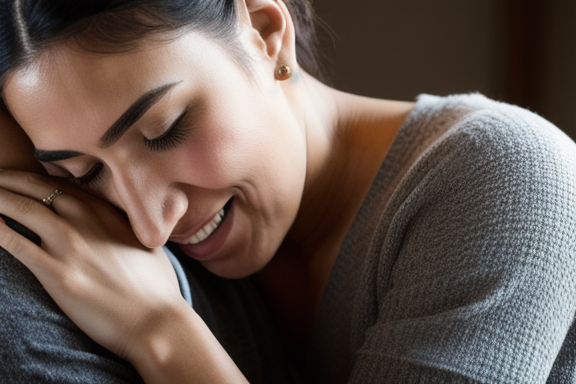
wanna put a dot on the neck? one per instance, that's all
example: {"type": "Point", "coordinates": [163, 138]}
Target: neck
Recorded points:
{"type": "Point", "coordinates": [347, 138]}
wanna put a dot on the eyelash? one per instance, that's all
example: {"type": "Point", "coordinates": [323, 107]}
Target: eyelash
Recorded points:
{"type": "Point", "coordinates": [93, 176]}
{"type": "Point", "coordinates": [170, 139]}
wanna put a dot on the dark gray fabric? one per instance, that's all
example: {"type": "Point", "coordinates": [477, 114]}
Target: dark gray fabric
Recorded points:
{"type": "Point", "coordinates": [461, 264]}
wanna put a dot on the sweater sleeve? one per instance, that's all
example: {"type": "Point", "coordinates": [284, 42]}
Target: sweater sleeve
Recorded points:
{"type": "Point", "coordinates": [483, 283]}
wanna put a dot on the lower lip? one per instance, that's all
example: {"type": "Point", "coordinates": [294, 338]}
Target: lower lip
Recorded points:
{"type": "Point", "coordinates": [205, 249]}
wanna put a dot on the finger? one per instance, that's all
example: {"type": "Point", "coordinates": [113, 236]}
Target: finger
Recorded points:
{"type": "Point", "coordinates": [57, 194]}
{"type": "Point", "coordinates": [78, 208]}
{"type": "Point", "coordinates": [68, 204]}
{"type": "Point", "coordinates": [30, 184]}
{"type": "Point", "coordinates": [30, 213]}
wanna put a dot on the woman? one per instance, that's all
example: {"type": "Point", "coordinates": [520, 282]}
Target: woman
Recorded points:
{"type": "Point", "coordinates": [39, 343]}
{"type": "Point", "coordinates": [391, 241]}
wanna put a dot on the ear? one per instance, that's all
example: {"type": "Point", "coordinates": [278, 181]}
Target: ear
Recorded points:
{"type": "Point", "coordinates": [273, 29]}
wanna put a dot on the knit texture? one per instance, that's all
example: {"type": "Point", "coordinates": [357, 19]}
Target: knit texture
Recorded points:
{"type": "Point", "coordinates": [460, 266]}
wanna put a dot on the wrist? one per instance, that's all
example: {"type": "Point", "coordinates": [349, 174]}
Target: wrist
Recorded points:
{"type": "Point", "coordinates": [177, 346]}
{"type": "Point", "coordinates": [152, 337]}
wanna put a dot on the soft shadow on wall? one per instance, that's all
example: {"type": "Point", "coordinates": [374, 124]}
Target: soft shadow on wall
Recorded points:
{"type": "Point", "coordinates": [519, 51]}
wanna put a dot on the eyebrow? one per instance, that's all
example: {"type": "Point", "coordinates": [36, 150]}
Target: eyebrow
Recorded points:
{"type": "Point", "coordinates": [133, 114]}
{"type": "Point", "coordinates": [116, 130]}
{"type": "Point", "coordinates": [48, 156]}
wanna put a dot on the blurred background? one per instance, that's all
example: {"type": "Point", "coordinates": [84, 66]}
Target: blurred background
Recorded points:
{"type": "Point", "coordinates": [519, 51]}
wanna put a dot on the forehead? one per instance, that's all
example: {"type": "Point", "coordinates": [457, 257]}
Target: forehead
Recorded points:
{"type": "Point", "coordinates": [66, 86]}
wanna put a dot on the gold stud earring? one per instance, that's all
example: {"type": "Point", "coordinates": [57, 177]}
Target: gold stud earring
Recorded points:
{"type": "Point", "coordinates": [283, 72]}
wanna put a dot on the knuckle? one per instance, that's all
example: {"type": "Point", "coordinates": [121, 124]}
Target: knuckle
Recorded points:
{"type": "Point", "coordinates": [61, 228]}
{"type": "Point", "coordinates": [11, 243]}
{"type": "Point", "coordinates": [24, 205]}
{"type": "Point", "coordinates": [68, 280]}
{"type": "Point", "coordinates": [71, 239]}
{"type": "Point", "coordinates": [73, 280]}
{"type": "Point", "coordinates": [76, 205]}
{"type": "Point", "coordinates": [35, 180]}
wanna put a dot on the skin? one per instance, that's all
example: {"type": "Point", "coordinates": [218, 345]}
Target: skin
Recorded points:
{"type": "Point", "coordinates": [297, 158]}
{"type": "Point", "coordinates": [16, 150]}
{"type": "Point", "coordinates": [227, 152]}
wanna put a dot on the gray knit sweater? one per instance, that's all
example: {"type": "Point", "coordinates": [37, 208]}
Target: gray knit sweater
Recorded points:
{"type": "Point", "coordinates": [461, 264]}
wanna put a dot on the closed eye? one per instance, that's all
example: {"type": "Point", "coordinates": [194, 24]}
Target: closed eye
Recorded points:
{"type": "Point", "coordinates": [91, 178]}
{"type": "Point", "coordinates": [170, 139]}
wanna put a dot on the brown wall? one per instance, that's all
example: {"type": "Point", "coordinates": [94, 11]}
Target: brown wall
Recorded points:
{"type": "Point", "coordinates": [519, 51]}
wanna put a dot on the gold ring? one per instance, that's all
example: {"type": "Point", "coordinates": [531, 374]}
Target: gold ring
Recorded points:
{"type": "Point", "coordinates": [50, 199]}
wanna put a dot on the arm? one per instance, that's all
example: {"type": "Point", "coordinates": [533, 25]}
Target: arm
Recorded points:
{"type": "Point", "coordinates": [179, 348]}
{"type": "Point", "coordinates": [483, 286]}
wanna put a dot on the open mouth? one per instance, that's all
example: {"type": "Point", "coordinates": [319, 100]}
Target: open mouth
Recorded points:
{"type": "Point", "coordinates": [205, 232]}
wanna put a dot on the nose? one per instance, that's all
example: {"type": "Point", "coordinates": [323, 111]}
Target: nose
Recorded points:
{"type": "Point", "coordinates": [153, 207]}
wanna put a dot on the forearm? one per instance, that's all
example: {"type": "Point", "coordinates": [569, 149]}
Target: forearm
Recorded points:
{"type": "Point", "coordinates": [179, 348]}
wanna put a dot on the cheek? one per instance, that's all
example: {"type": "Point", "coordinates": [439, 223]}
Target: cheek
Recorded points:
{"type": "Point", "coordinates": [211, 158]}
{"type": "Point", "coordinates": [258, 158]}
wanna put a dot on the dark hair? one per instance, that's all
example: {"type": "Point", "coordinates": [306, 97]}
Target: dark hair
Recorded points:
{"type": "Point", "coordinates": [28, 26]}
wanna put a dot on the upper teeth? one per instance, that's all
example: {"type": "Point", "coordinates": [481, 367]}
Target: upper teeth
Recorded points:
{"type": "Point", "coordinates": [207, 230]}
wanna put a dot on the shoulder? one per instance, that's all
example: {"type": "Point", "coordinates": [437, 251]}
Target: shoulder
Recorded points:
{"type": "Point", "coordinates": [476, 244]}
{"type": "Point", "coordinates": [488, 205]}
{"type": "Point", "coordinates": [472, 136]}
{"type": "Point", "coordinates": [493, 168]}
{"type": "Point", "coordinates": [501, 128]}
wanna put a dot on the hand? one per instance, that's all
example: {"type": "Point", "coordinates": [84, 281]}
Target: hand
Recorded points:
{"type": "Point", "coordinates": [90, 261]}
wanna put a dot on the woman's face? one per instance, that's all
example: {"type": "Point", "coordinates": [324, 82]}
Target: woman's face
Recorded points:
{"type": "Point", "coordinates": [179, 137]}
